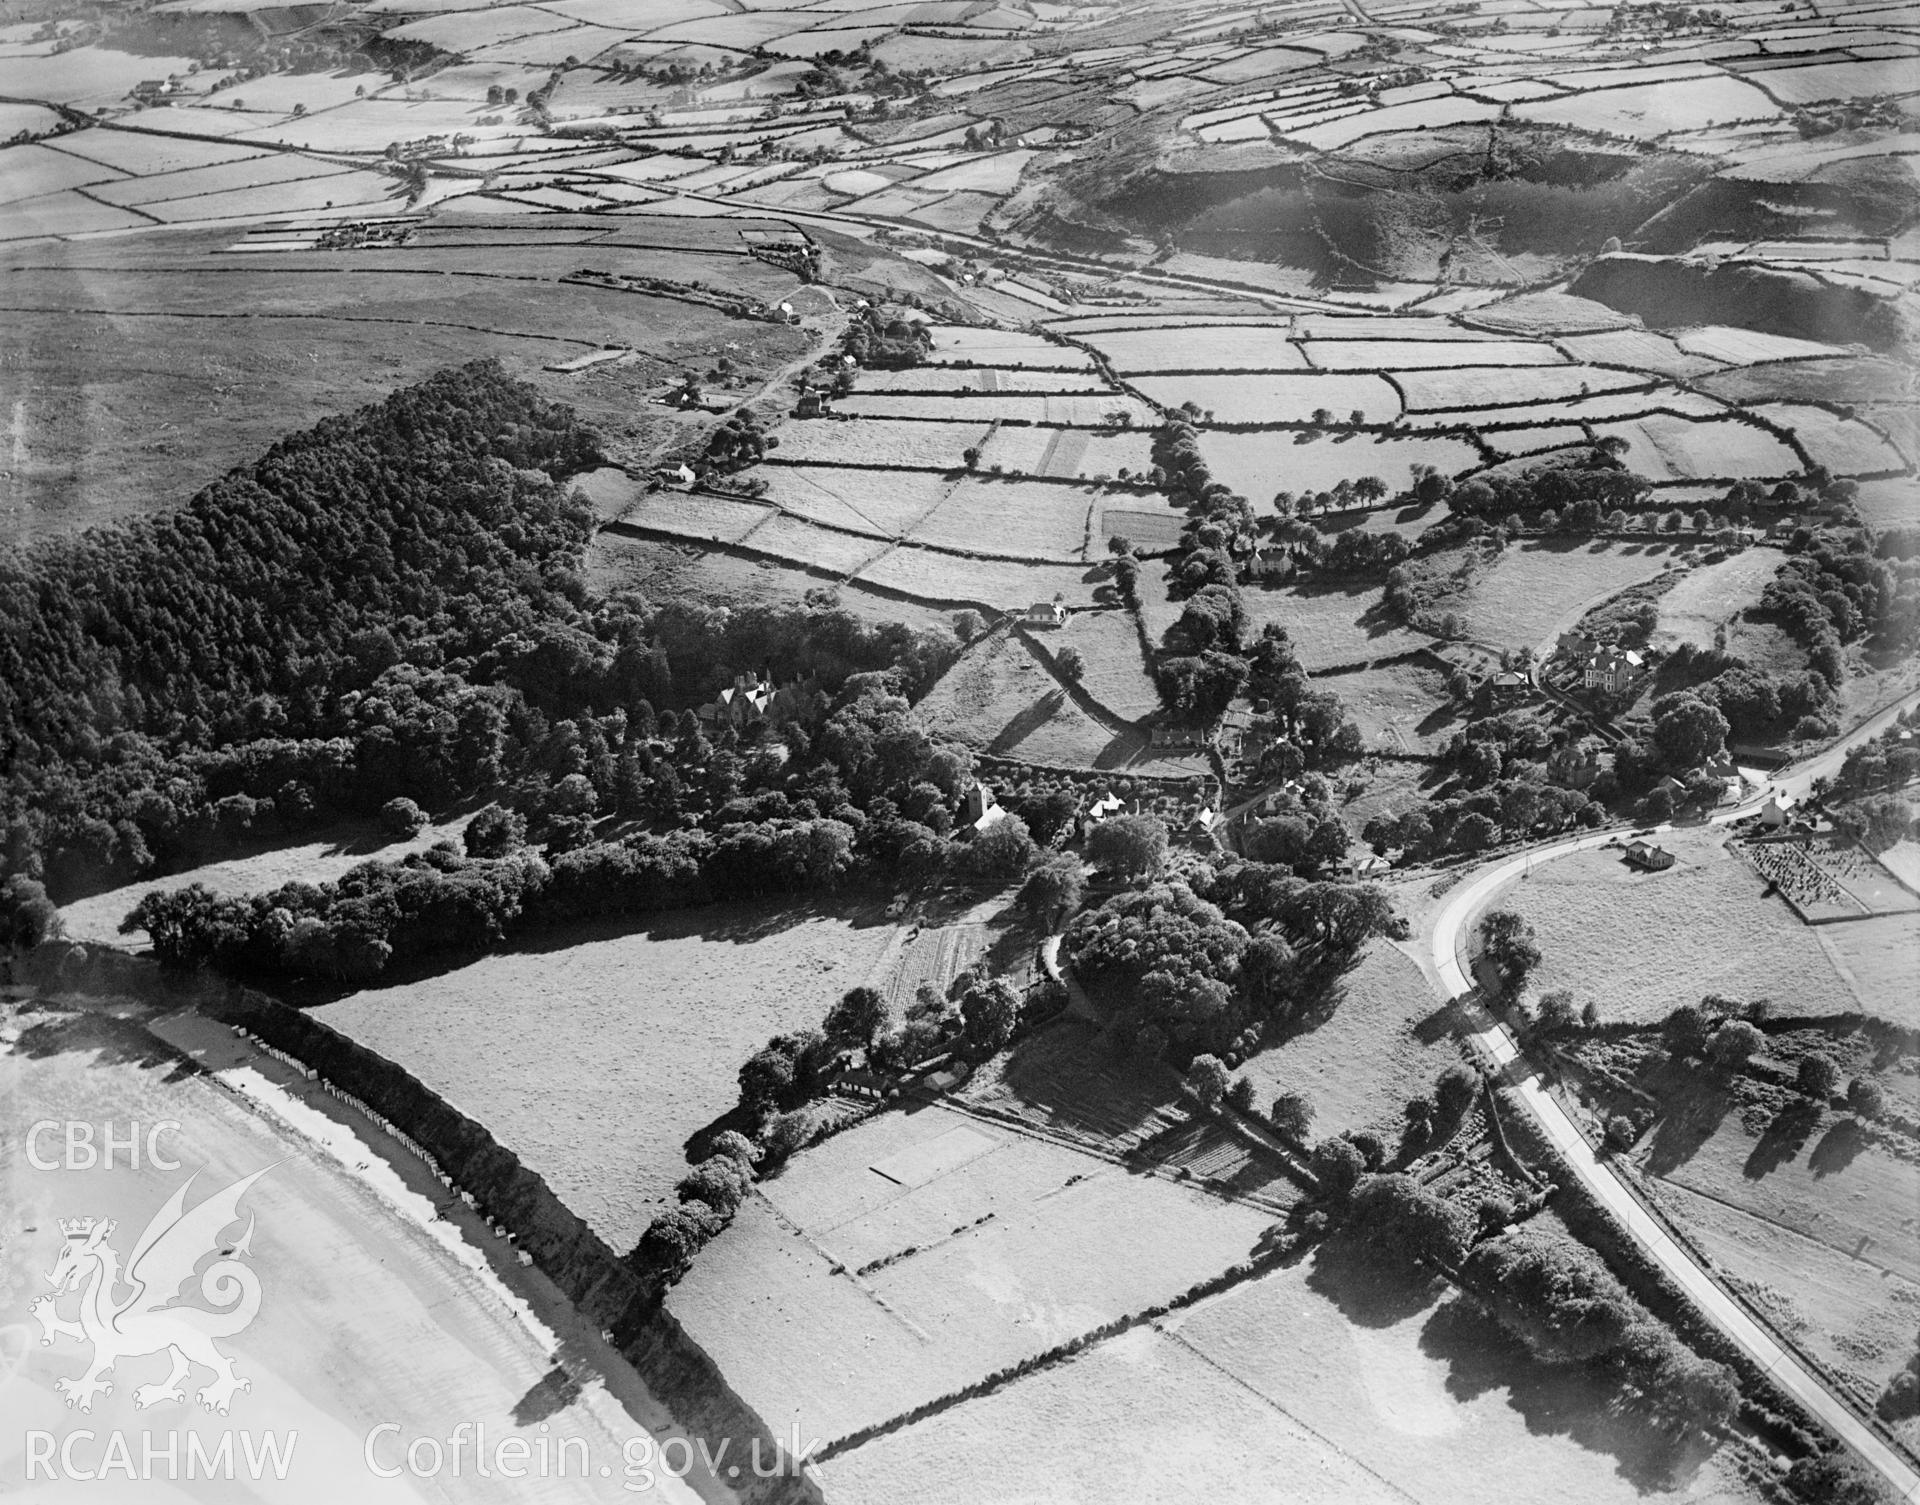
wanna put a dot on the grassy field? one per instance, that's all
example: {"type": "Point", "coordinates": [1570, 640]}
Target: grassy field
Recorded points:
{"type": "Point", "coordinates": [1002, 585]}
{"type": "Point", "coordinates": [662, 570]}
{"type": "Point", "coordinates": [1765, 645]}
{"type": "Point", "coordinates": [1879, 959]}
{"type": "Point", "coordinates": [881, 441]}
{"type": "Point", "coordinates": [96, 918]}
{"type": "Point", "coordinates": [1639, 350]}
{"type": "Point", "coordinates": [1031, 518]}
{"type": "Point", "coordinates": [885, 503]}
{"type": "Point", "coordinates": [1332, 624]}
{"type": "Point", "coordinates": [665, 1011]}
{"type": "Point", "coordinates": [697, 515]}
{"type": "Point", "coordinates": [1140, 1407]}
{"type": "Point", "coordinates": [1065, 1081]}
{"type": "Point", "coordinates": [1534, 590]}
{"type": "Point", "coordinates": [1700, 926]}
{"type": "Point", "coordinates": [1259, 464]}
{"type": "Point", "coordinates": [1399, 707]}
{"type": "Point", "coordinates": [1706, 599]}
{"type": "Point", "coordinates": [1665, 448]}
{"type": "Point", "coordinates": [1856, 1200]}
{"type": "Point", "coordinates": [133, 381]}
{"type": "Point", "coordinates": [1063, 454]}
{"type": "Point", "coordinates": [1116, 673]}
{"type": "Point", "coordinates": [1484, 386]}
{"type": "Point", "coordinates": [1199, 348]}
{"type": "Point", "coordinates": [1281, 397]}
{"type": "Point", "coordinates": [1315, 1384]}
{"type": "Point", "coordinates": [1415, 355]}
{"type": "Point", "coordinates": [827, 549]}
{"type": "Point", "coordinates": [992, 1244]}
{"type": "Point", "coordinates": [1844, 445]}
{"type": "Point", "coordinates": [1000, 698]}
{"type": "Point", "coordinates": [1365, 1061]}
{"type": "Point", "coordinates": [1851, 1315]}
{"type": "Point", "coordinates": [1432, 1399]}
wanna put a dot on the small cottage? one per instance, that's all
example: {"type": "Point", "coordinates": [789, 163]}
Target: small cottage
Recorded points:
{"type": "Point", "coordinates": [1648, 857]}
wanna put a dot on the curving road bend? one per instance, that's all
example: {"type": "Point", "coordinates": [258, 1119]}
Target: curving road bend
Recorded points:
{"type": "Point", "coordinates": [1448, 946]}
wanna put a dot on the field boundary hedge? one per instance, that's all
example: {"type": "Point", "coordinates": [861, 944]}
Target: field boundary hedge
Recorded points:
{"type": "Point", "coordinates": [1076, 692]}
{"type": "Point", "coordinates": [1249, 1269]}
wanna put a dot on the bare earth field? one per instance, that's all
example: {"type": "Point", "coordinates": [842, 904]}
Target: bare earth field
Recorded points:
{"type": "Point", "coordinates": [1699, 927]}
{"type": "Point", "coordinates": [995, 1244]}
{"type": "Point", "coordinates": [664, 1012]}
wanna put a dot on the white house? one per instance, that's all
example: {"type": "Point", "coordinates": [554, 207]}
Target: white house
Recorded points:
{"type": "Point", "coordinates": [1777, 811]}
{"type": "Point", "coordinates": [1612, 669]}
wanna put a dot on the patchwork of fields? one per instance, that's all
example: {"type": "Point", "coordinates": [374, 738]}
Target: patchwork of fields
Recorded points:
{"type": "Point", "coordinates": [1013, 241]}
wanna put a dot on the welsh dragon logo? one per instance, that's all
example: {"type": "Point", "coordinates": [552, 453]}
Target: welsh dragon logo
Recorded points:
{"type": "Point", "coordinates": [145, 1322]}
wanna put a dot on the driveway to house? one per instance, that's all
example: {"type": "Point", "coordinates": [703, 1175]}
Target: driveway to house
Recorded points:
{"type": "Point", "coordinates": [1450, 929]}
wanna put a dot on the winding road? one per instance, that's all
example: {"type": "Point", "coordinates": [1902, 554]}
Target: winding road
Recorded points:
{"type": "Point", "coordinates": [1450, 929]}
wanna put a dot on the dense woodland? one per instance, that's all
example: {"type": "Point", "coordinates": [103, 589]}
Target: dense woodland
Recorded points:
{"type": "Point", "coordinates": [390, 605]}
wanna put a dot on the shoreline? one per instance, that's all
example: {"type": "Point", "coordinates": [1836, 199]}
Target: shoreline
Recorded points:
{"type": "Point", "coordinates": [300, 1108]}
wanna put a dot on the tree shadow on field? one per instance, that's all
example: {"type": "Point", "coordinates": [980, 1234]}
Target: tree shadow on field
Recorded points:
{"type": "Point", "coordinates": [1025, 723]}
{"type": "Point", "coordinates": [1436, 718]}
{"type": "Point", "coordinates": [1783, 1139]}
{"type": "Point", "coordinates": [1369, 1293]}
{"type": "Point", "coordinates": [1557, 1400]}
{"type": "Point", "coordinates": [1437, 1026]}
{"type": "Point", "coordinates": [1838, 1149]}
{"type": "Point", "coordinates": [1558, 543]}
{"type": "Point", "coordinates": [1694, 1109]}
{"type": "Point", "coordinates": [110, 1040]}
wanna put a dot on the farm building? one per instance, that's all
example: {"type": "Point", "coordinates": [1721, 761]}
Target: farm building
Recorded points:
{"type": "Point", "coordinates": [1046, 614]}
{"type": "Point", "coordinates": [1648, 857]}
